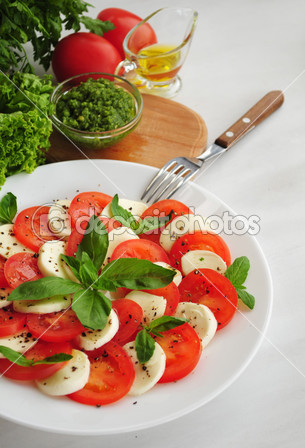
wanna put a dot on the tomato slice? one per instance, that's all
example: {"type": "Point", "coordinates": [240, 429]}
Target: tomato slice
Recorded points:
{"type": "Point", "coordinates": [160, 209]}
{"type": "Point", "coordinates": [141, 249]}
{"type": "Point", "coordinates": [198, 240]}
{"type": "Point", "coordinates": [55, 327]}
{"type": "Point", "coordinates": [130, 315]}
{"type": "Point", "coordinates": [212, 289]}
{"type": "Point", "coordinates": [40, 351]}
{"type": "Point", "coordinates": [3, 281]}
{"type": "Point", "coordinates": [20, 268]}
{"type": "Point", "coordinates": [182, 348]}
{"type": "Point", "coordinates": [73, 242]}
{"type": "Point", "coordinates": [11, 322]}
{"type": "Point", "coordinates": [172, 296]}
{"type": "Point", "coordinates": [31, 227]}
{"type": "Point", "coordinates": [111, 376]}
{"type": "Point", "coordinates": [84, 205]}
{"type": "Point", "coordinates": [77, 235]}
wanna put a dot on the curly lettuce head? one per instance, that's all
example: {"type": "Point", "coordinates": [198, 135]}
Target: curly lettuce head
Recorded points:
{"type": "Point", "coordinates": [24, 124]}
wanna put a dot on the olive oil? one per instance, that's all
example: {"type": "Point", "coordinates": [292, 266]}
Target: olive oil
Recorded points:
{"type": "Point", "coordinates": [159, 62]}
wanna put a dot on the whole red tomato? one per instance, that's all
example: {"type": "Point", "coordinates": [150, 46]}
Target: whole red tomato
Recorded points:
{"type": "Point", "coordinates": [124, 21]}
{"type": "Point", "coordinates": [82, 53]}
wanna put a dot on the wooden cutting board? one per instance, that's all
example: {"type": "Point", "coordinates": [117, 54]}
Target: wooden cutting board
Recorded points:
{"type": "Point", "coordinates": [168, 129]}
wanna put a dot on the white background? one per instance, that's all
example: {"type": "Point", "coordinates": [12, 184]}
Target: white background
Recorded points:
{"type": "Point", "coordinates": [241, 50]}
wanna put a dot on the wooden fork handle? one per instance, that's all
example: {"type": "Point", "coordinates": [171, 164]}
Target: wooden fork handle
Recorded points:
{"type": "Point", "coordinates": [258, 113]}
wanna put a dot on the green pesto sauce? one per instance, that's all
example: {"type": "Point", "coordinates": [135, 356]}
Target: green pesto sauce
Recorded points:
{"type": "Point", "coordinates": [96, 106]}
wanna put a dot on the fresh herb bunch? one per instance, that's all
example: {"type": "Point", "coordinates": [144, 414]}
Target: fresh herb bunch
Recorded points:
{"type": "Point", "coordinates": [40, 22]}
{"type": "Point", "coordinates": [24, 126]}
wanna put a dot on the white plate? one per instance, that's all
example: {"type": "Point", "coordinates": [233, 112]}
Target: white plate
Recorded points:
{"type": "Point", "coordinates": [222, 361]}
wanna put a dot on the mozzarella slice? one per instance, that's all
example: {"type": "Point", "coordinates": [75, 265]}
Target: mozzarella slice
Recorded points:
{"type": "Point", "coordinates": [92, 339]}
{"type": "Point", "coordinates": [59, 219]}
{"type": "Point", "coordinates": [20, 342]}
{"type": "Point", "coordinates": [152, 306]}
{"type": "Point", "coordinates": [49, 260]}
{"type": "Point", "coordinates": [9, 245]}
{"type": "Point", "coordinates": [200, 318]}
{"type": "Point", "coordinates": [4, 293]}
{"type": "Point", "coordinates": [71, 378]}
{"type": "Point", "coordinates": [178, 276]}
{"type": "Point", "coordinates": [180, 226]}
{"type": "Point", "coordinates": [148, 374]}
{"type": "Point", "coordinates": [202, 259]}
{"type": "Point", "coordinates": [116, 237]}
{"type": "Point", "coordinates": [43, 306]}
{"type": "Point", "coordinates": [134, 207]}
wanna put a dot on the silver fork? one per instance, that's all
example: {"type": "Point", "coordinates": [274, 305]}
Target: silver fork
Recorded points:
{"type": "Point", "coordinates": [175, 173]}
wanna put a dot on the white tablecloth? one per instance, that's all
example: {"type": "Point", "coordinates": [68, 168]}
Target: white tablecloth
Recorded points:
{"type": "Point", "coordinates": [241, 50]}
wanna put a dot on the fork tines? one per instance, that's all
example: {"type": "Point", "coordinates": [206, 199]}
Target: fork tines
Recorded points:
{"type": "Point", "coordinates": [170, 177]}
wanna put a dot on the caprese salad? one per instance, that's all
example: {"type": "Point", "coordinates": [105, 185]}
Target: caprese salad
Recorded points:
{"type": "Point", "coordinates": [103, 297]}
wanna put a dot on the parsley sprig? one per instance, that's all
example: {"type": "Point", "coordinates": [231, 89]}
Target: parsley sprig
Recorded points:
{"type": "Point", "coordinates": [89, 302]}
{"type": "Point", "coordinates": [40, 23]}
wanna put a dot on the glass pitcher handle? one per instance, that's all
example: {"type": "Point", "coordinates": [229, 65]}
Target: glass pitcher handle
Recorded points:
{"type": "Point", "coordinates": [127, 67]}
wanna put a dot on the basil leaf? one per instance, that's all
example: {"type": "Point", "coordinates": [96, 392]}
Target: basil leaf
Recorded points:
{"type": "Point", "coordinates": [15, 357]}
{"type": "Point", "coordinates": [88, 272]}
{"type": "Point", "coordinates": [156, 333]}
{"type": "Point", "coordinates": [59, 357]}
{"type": "Point", "coordinates": [95, 242]}
{"type": "Point", "coordinates": [8, 208]}
{"type": "Point", "coordinates": [145, 346]}
{"type": "Point", "coordinates": [43, 288]}
{"type": "Point", "coordinates": [73, 264]}
{"type": "Point", "coordinates": [105, 284]}
{"type": "Point", "coordinates": [122, 215]}
{"type": "Point", "coordinates": [21, 360]}
{"type": "Point", "coordinates": [247, 298]}
{"type": "Point", "coordinates": [133, 273]}
{"type": "Point", "coordinates": [143, 225]}
{"type": "Point", "coordinates": [86, 260]}
{"type": "Point", "coordinates": [238, 271]}
{"type": "Point", "coordinates": [165, 323]}
{"type": "Point", "coordinates": [92, 308]}
{"type": "Point", "coordinates": [237, 274]}
{"type": "Point", "coordinates": [152, 222]}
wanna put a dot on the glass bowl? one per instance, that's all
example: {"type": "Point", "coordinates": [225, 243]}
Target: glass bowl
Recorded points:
{"type": "Point", "coordinates": [103, 139]}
